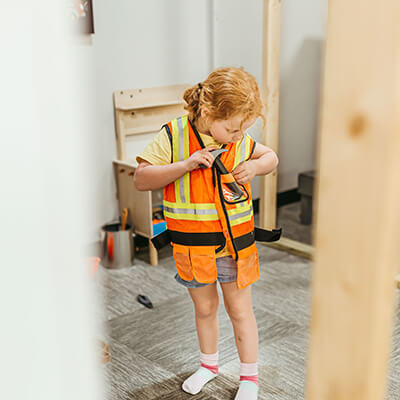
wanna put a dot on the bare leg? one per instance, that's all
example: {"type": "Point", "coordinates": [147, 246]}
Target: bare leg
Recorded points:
{"type": "Point", "coordinates": [239, 307]}
{"type": "Point", "coordinates": [206, 301]}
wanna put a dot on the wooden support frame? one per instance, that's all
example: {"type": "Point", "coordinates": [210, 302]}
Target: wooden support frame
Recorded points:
{"type": "Point", "coordinates": [270, 92]}
{"type": "Point", "coordinates": [358, 218]}
{"type": "Point", "coordinates": [270, 133]}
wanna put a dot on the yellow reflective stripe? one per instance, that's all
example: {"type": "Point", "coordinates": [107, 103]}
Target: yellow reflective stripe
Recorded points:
{"type": "Point", "coordinates": [175, 152]}
{"type": "Point", "coordinates": [186, 178]}
{"type": "Point", "coordinates": [175, 141]}
{"type": "Point", "coordinates": [242, 151]}
{"type": "Point", "coordinates": [192, 211]}
{"type": "Point", "coordinates": [237, 154]}
{"type": "Point", "coordinates": [238, 209]}
{"type": "Point", "coordinates": [199, 206]}
{"type": "Point", "coordinates": [240, 214]}
{"type": "Point", "coordinates": [248, 142]}
{"type": "Point", "coordinates": [192, 217]}
{"type": "Point", "coordinates": [241, 220]}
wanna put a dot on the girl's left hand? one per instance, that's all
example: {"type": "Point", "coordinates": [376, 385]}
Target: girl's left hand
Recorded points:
{"type": "Point", "coordinates": [245, 172]}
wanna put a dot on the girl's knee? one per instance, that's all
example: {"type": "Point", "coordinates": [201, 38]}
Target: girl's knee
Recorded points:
{"type": "Point", "coordinates": [207, 308]}
{"type": "Point", "coordinates": [238, 313]}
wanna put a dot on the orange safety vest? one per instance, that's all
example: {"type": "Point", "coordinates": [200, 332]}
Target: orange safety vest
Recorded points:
{"type": "Point", "coordinates": [201, 216]}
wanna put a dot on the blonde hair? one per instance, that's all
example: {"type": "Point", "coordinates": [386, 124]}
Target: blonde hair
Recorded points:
{"type": "Point", "coordinates": [225, 93]}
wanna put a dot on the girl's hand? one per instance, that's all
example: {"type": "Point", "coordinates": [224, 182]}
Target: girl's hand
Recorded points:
{"type": "Point", "coordinates": [200, 157]}
{"type": "Point", "coordinates": [245, 172]}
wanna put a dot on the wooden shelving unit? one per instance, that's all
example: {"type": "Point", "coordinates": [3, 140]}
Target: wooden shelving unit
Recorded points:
{"type": "Point", "coordinates": [138, 112]}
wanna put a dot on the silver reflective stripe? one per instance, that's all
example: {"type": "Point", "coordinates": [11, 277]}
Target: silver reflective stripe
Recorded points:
{"type": "Point", "coordinates": [193, 211]}
{"type": "Point", "coordinates": [242, 214]}
{"type": "Point", "coordinates": [181, 158]}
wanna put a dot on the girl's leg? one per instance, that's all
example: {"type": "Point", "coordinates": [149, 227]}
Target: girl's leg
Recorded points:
{"type": "Point", "coordinates": [239, 307]}
{"type": "Point", "coordinates": [206, 301]}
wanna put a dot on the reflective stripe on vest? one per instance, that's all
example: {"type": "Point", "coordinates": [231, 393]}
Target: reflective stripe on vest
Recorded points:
{"type": "Point", "coordinates": [240, 214]}
{"type": "Point", "coordinates": [180, 147]}
{"type": "Point", "coordinates": [242, 150]}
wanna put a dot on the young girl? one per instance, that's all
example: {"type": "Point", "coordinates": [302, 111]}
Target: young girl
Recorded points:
{"type": "Point", "coordinates": [210, 221]}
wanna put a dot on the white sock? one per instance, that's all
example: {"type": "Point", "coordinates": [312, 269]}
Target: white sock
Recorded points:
{"type": "Point", "coordinates": [247, 391]}
{"type": "Point", "coordinates": [207, 371]}
{"type": "Point", "coordinates": [248, 388]}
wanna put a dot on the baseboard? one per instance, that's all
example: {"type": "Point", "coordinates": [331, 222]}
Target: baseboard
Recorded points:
{"type": "Point", "coordinates": [283, 199]}
{"type": "Point", "coordinates": [288, 197]}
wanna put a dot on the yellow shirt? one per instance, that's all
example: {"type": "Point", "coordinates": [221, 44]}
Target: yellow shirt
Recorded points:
{"type": "Point", "coordinates": [158, 152]}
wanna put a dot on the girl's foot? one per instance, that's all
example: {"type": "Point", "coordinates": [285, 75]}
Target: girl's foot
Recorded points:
{"type": "Point", "coordinates": [207, 371]}
{"type": "Point", "coordinates": [247, 391]}
{"type": "Point", "coordinates": [248, 388]}
{"type": "Point", "coordinates": [195, 382]}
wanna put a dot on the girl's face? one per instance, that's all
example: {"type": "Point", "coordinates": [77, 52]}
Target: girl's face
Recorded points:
{"type": "Point", "coordinates": [230, 130]}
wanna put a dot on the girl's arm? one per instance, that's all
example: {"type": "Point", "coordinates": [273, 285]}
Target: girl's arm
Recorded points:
{"type": "Point", "coordinates": [152, 177]}
{"type": "Point", "coordinates": [265, 159]}
{"type": "Point", "coordinates": [262, 162]}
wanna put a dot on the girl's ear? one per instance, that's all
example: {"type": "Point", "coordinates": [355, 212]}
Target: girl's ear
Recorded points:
{"type": "Point", "coordinates": [204, 113]}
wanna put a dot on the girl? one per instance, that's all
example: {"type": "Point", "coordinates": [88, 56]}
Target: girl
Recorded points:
{"type": "Point", "coordinates": [211, 225]}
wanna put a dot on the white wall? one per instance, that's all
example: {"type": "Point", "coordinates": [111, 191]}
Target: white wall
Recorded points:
{"type": "Point", "coordinates": [238, 42]}
{"type": "Point", "coordinates": [303, 26]}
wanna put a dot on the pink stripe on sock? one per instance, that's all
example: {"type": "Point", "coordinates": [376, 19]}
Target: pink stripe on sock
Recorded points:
{"type": "Point", "coordinates": [253, 378]}
{"type": "Point", "coordinates": [212, 368]}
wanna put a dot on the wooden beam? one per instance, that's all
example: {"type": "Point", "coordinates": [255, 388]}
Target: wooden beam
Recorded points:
{"type": "Point", "coordinates": [358, 214]}
{"type": "Point", "coordinates": [293, 247]}
{"type": "Point", "coordinates": [270, 91]}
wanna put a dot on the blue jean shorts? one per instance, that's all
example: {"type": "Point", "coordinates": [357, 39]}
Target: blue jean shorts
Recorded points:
{"type": "Point", "coordinates": [227, 272]}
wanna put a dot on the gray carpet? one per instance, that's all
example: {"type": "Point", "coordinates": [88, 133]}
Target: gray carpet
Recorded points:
{"type": "Point", "coordinates": [153, 351]}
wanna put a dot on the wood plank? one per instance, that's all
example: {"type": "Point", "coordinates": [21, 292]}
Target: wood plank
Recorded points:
{"type": "Point", "coordinates": [270, 91]}
{"type": "Point", "coordinates": [293, 246]}
{"type": "Point", "coordinates": [138, 202]}
{"type": "Point", "coordinates": [149, 119]}
{"type": "Point", "coordinates": [120, 136]}
{"type": "Point", "coordinates": [357, 217]}
{"type": "Point", "coordinates": [132, 99]}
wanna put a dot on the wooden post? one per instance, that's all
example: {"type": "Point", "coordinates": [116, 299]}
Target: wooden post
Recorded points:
{"type": "Point", "coordinates": [357, 213]}
{"type": "Point", "coordinates": [270, 91]}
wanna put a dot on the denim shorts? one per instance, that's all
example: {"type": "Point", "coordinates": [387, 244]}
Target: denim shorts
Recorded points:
{"type": "Point", "coordinates": [227, 272]}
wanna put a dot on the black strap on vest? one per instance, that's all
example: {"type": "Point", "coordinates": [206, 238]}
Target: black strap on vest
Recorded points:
{"type": "Point", "coordinates": [189, 239]}
{"type": "Point", "coordinates": [161, 240]}
{"type": "Point", "coordinates": [263, 235]}
{"type": "Point", "coordinates": [258, 235]}
{"type": "Point", "coordinates": [215, 238]}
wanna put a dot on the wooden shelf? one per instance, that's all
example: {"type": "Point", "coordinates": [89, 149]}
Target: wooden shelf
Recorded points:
{"type": "Point", "coordinates": [134, 99]}
{"type": "Point", "coordinates": [141, 130]}
{"type": "Point", "coordinates": [150, 105]}
{"type": "Point", "coordinates": [141, 111]}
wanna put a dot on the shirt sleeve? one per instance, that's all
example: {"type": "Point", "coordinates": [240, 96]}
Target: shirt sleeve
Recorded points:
{"type": "Point", "coordinates": [157, 152]}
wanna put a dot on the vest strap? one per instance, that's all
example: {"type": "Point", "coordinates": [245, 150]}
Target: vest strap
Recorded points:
{"type": "Point", "coordinates": [161, 240]}
{"type": "Point", "coordinates": [263, 235]}
{"type": "Point", "coordinates": [189, 239]}
{"type": "Point", "coordinates": [258, 235]}
{"type": "Point", "coordinates": [215, 238]}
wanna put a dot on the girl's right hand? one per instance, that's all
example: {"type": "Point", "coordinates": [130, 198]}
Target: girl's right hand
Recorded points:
{"type": "Point", "coordinates": [200, 157]}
